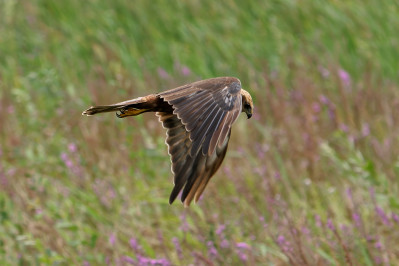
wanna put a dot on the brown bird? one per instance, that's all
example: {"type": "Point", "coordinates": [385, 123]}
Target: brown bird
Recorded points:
{"type": "Point", "coordinates": [198, 118]}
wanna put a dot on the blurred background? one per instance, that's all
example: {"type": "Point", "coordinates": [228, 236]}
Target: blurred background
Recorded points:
{"type": "Point", "coordinates": [311, 179]}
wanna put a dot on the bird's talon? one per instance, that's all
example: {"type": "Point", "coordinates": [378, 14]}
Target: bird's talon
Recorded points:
{"type": "Point", "coordinates": [119, 115]}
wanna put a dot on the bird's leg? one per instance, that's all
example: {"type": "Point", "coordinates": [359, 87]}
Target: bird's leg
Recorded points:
{"type": "Point", "coordinates": [124, 112]}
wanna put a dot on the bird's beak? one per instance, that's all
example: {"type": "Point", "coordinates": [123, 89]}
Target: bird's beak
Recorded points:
{"type": "Point", "coordinates": [249, 115]}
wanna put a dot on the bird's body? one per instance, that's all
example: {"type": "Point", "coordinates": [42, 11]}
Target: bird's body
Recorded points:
{"type": "Point", "coordinates": [198, 118]}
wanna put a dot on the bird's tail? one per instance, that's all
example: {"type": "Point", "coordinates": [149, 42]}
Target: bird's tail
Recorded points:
{"type": "Point", "coordinates": [127, 108]}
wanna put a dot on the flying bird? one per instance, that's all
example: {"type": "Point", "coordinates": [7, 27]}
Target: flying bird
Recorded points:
{"type": "Point", "coordinates": [198, 119]}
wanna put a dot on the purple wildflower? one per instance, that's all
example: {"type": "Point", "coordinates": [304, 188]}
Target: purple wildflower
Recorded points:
{"type": "Point", "coordinates": [277, 175]}
{"type": "Point", "coordinates": [243, 256]}
{"type": "Point", "coordinates": [243, 245]}
{"type": "Point", "coordinates": [296, 95]}
{"type": "Point", "coordinates": [387, 143]}
{"type": "Point", "coordinates": [343, 127]}
{"type": "Point", "coordinates": [72, 147]}
{"type": "Point", "coordinates": [178, 248]}
{"type": "Point", "coordinates": [220, 229]}
{"type": "Point", "coordinates": [280, 240]}
{"type": "Point", "coordinates": [160, 236]}
{"type": "Point", "coordinates": [184, 224]}
{"type": "Point", "coordinates": [142, 260]}
{"type": "Point", "coordinates": [262, 220]}
{"type": "Point", "coordinates": [343, 228]}
{"type": "Point", "coordinates": [64, 156]}
{"type": "Point", "coordinates": [316, 107]}
{"type": "Point", "coordinates": [344, 76]}
{"type": "Point", "coordinates": [323, 99]}
{"type": "Point", "coordinates": [224, 243]}
{"type": "Point", "coordinates": [384, 218]}
{"type": "Point", "coordinates": [349, 193]}
{"type": "Point", "coordinates": [261, 171]}
{"type": "Point", "coordinates": [70, 164]}
{"type": "Point", "coordinates": [38, 211]}
{"type": "Point", "coordinates": [284, 244]}
{"type": "Point", "coordinates": [261, 150]}
{"type": "Point", "coordinates": [357, 219]}
{"type": "Point", "coordinates": [200, 199]}
{"type": "Point", "coordinates": [324, 72]}
{"type": "Point", "coordinates": [112, 239]}
{"type": "Point", "coordinates": [378, 245]}
{"type": "Point", "coordinates": [86, 263]}
{"type": "Point", "coordinates": [163, 262]}
{"type": "Point", "coordinates": [128, 259]}
{"type": "Point", "coordinates": [185, 71]}
{"type": "Point", "coordinates": [365, 130]}
{"type": "Point", "coordinates": [331, 112]}
{"type": "Point", "coordinates": [134, 245]}
{"type": "Point", "coordinates": [227, 171]}
{"type": "Point", "coordinates": [104, 191]}
{"type": "Point", "coordinates": [162, 73]}
{"type": "Point", "coordinates": [330, 224]}
{"type": "Point", "coordinates": [395, 217]}
{"type": "Point", "coordinates": [212, 251]}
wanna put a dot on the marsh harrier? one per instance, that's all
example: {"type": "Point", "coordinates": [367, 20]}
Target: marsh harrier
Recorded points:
{"type": "Point", "coordinates": [198, 118]}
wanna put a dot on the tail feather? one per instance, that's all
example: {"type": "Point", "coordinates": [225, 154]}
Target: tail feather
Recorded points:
{"type": "Point", "coordinates": [111, 108]}
{"type": "Point", "coordinates": [102, 109]}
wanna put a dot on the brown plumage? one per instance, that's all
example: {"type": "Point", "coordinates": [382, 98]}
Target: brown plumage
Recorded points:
{"type": "Point", "coordinates": [198, 118]}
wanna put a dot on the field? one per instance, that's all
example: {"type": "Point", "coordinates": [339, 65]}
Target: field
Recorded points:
{"type": "Point", "coordinates": [311, 179]}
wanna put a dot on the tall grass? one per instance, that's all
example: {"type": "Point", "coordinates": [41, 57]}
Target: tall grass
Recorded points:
{"type": "Point", "coordinates": [311, 179]}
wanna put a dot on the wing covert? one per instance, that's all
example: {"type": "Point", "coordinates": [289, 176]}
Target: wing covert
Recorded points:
{"type": "Point", "coordinates": [207, 109]}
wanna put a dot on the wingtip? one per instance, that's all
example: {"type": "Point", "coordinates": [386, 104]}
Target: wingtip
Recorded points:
{"type": "Point", "coordinates": [172, 198]}
{"type": "Point", "coordinates": [185, 203]}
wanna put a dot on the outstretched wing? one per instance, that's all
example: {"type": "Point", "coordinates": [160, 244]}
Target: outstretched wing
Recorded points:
{"type": "Point", "coordinates": [199, 130]}
{"type": "Point", "coordinates": [207, 108]}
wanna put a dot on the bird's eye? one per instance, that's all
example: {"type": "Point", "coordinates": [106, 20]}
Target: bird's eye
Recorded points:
{"type": "Point", "coordinates": [247, 106]}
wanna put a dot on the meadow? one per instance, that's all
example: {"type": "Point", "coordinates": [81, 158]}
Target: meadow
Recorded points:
{"type": "Point", "coordinates": [311, 179]}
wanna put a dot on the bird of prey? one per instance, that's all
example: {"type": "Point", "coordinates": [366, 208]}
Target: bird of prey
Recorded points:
{"type": "Point", "coordinates": [198, 119]}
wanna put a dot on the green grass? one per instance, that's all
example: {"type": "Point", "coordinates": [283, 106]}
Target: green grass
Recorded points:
{"type": "Point", "coordinates": [310, 179]}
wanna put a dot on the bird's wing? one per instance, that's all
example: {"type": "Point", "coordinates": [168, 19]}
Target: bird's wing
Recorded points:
{"type": "Point", "coordinates": [190, 172]}
{"type": "Point", "coordinates": [207, 108]}
{"type": "Point", "coordinates": [199, 130]}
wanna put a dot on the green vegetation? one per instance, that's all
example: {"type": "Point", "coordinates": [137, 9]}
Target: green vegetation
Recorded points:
{"type": "Point", "coordinates": [311, 179]}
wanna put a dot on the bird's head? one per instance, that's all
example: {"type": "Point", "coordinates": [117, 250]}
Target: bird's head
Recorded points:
{"type": "Point", "coordinates": [247, 103]}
